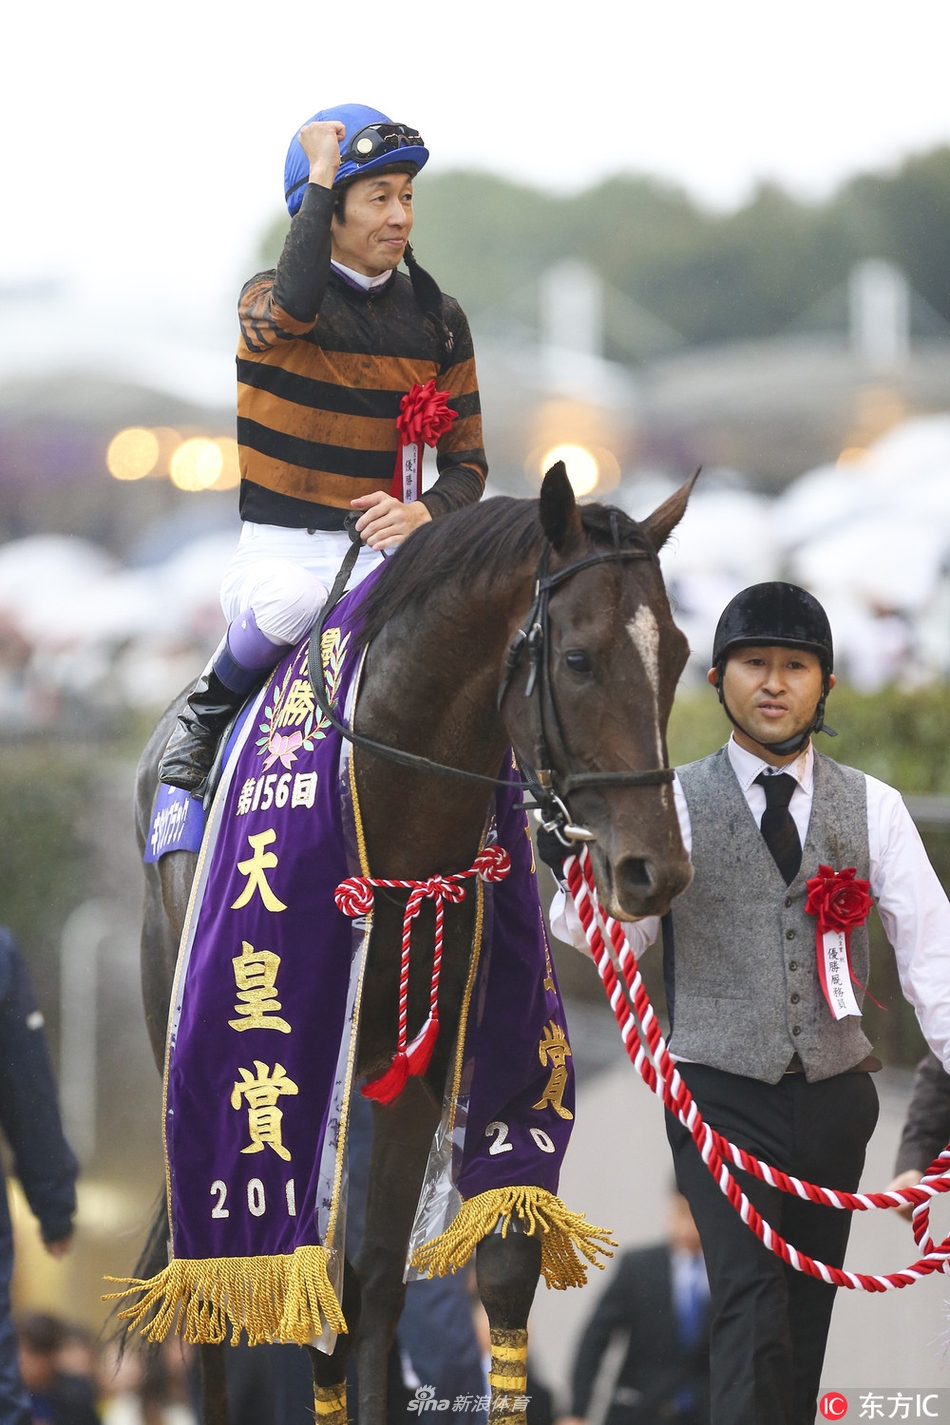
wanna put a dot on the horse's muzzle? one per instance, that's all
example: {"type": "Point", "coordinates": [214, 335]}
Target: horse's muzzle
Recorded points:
{"type": "Point", "coordinates": [640, 885]}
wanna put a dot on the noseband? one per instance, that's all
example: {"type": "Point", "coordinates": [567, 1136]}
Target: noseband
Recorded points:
{"type": "Point", "coordinates": [548, 787]}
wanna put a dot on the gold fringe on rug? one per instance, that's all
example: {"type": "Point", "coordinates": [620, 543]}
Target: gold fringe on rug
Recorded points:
{"type": "Point", "coordinates": [280, 1298]}
{"type": "Point", "coordinates": [563, 1235]}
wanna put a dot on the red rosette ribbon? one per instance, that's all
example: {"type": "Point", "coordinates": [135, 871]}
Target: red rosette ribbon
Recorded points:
{"type": "Point", "coordinates": [424, 414]}
{"type": "Point", "coordinates": [838, 899]}
{"type": "Point", "coordinates": [424, 417]}
{"type": "Point", "coordinates": [840, 902]}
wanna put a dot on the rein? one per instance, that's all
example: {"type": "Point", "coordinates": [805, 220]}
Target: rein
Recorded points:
{"type": "Point", "coordinates": [548, 787]}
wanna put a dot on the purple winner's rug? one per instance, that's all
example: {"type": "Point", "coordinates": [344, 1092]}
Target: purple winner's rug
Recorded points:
{"type": "Point", "coordinates": [262, 1045]}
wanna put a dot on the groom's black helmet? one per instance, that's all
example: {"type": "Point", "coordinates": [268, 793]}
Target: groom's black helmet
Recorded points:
{"type": "Point", "coordinates": [774, 613]}
{"type": "Point", "coordinates": [766, 615]}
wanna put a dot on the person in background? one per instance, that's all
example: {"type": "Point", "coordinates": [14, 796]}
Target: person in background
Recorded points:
{"type": "Point", "coordinates": [658, 1301]}
{"type": "Point", "coordinates": [926, 1127]}
{"type": "Point", "coordinates": [77, 1356]}
{"type": "Point", "coordinates": [153, 1387]}
{"type": "Point", "coordinates": [120, 1379]}
{"type": "Point", "coordinates": [55, 1397]}
{"type": "Point", "coordinates": [43, 1160]}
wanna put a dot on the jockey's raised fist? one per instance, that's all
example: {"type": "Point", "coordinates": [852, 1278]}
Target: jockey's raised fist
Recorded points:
{"type": "Point", "coordinates": [321, 141]}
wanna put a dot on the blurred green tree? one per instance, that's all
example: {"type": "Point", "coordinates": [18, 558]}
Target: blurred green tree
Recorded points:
{"type": "Point", "coordinates": [711, 276]}
{"type": "Point", "coordinates": [47, 796]}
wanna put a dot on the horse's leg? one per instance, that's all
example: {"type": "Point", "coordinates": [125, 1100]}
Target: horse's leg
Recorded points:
{"type": "Point", "coordinates": [214, 1389]}
{"type": "Point", "coordinates": [507, 1270]}
{"type": "Point", "coordinates": [329, 1383]}
{"type": "Point", "coordinates": [402, 1135]}
{"type": "Point", "coordinates": [329, 1370]}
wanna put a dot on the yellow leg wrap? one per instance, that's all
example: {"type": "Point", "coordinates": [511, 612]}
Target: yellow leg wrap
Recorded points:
{"type": "Point", "coordinates": [329, 1403]}
{"type": "Point", "coordinates": [563, 1235]}
{"type": "Point", "coordinates": [508, 1377]}
{"type": "Point", "coordinates": [280, 1298]}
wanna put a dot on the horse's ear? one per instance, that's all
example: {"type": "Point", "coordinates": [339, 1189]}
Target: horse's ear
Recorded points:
{"type": "Point", "coordinates": [664, 519]}
{"type": "Point", "coordinates": [560, 517]}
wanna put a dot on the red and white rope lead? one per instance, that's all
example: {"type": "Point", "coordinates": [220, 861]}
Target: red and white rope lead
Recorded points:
{"type": "Point", "coordinates": [354, 897]}
{"type": "Point", "coordinates": [648, 1052]}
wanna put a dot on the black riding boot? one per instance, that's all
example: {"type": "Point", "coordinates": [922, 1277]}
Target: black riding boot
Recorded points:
{"type": "Point", "coordinates": [215, 700]}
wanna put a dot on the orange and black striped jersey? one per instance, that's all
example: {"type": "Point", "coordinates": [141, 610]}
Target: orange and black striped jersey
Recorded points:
{"type": "Point", "coordinates": [318, 395]}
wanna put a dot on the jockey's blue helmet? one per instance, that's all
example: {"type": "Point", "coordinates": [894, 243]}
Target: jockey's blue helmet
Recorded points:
{"type": "Point", "coordinates": [372, 141]}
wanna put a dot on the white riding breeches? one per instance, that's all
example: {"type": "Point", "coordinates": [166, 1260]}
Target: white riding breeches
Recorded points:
{"type": "Point", "coordinates": [285, 575]}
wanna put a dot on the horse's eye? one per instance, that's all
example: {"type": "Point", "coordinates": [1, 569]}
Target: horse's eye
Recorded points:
{"type": "Point", "coordinates": [578, 660]}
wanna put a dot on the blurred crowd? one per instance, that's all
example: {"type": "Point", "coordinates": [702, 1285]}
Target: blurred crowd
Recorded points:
{"type": "Point", "coordinates": [81, 635]}
{"type": "Point", "coordinates": [870, 536]}
{"type": "Point", "coordinates": [74, 1380]}
{"type": "Point", "coordinates": [654, 1307]}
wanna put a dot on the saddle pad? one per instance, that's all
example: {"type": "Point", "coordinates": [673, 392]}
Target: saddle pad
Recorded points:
{"type": "Point", "coordinates": [178, 818]}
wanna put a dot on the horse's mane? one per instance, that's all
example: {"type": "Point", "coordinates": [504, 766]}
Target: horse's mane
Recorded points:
{"type": "Point", "coordinates": [483, 542]}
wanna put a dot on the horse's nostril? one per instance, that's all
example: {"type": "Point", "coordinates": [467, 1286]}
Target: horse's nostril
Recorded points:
{"type": "Point", "coordinates": [635, 873]}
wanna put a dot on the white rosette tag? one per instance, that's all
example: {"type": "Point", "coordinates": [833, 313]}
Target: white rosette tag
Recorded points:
{"type": "Point", "coordinates": [836, 975]}
{"type": "Point", "coordinates": [410, 472]}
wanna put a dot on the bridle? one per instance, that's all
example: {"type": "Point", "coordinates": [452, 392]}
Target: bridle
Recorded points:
{"type": "Point", "coordinates": [548, 787]}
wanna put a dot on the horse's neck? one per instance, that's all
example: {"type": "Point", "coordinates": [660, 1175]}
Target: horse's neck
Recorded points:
{"type": "Point", "coordinates": [430, 686]}
{"type": "Point", "coordinates": [434, 676]}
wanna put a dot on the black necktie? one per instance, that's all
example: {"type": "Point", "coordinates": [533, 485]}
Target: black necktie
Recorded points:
{"type": "Point", "coordinates": [778, 826]}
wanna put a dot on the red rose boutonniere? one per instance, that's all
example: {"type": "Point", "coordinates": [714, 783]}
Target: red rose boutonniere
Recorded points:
{"type": "Point", "coordinates": [424, 416]}
{"type": "Point", "coordinates": [840, 902]}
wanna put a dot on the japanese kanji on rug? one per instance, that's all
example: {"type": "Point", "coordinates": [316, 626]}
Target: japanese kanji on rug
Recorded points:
{"type": "Point", "coordinates": [262, 1042]}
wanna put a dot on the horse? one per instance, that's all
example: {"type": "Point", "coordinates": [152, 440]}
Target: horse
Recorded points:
{"type": "Point", "coordinates": [451, 675]}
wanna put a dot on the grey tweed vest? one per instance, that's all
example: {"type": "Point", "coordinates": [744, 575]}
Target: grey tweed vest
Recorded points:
{"type": "Point", "coordinates": [746, 995]}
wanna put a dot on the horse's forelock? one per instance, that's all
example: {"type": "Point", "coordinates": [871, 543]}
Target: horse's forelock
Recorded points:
{"type": "Point", "coordinates": [601, 521]}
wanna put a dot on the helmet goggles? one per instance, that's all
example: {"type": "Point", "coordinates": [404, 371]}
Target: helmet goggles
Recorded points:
{"type": "Point", "coordinates": [376, 139]}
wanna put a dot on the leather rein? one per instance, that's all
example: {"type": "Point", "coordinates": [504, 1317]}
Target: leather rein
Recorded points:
{"type": "Point", "coordinates": [548, 787]}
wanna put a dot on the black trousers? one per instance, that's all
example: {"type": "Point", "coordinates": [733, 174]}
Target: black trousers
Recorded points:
{"type": "Point", "coordinates": [769, 1322]}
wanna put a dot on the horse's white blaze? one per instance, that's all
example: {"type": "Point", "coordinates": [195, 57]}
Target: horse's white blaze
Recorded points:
{"type": "Point", "coordinates": [645, 636]}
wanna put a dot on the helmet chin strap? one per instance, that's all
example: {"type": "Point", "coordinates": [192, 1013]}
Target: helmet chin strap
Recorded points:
{"type": "Point", "coordinates": [790, 745]}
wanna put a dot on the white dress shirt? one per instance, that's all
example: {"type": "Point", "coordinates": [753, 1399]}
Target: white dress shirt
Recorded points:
{"type": "Point", "coordinates": [911, 902]}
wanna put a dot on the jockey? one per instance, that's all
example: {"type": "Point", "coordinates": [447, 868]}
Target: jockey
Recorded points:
{"type": "Point", "coordinates": [331, 343]}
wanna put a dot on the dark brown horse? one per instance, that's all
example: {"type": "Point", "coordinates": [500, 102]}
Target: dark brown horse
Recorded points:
{"type": "Point", "coordinates": [438, 625]}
